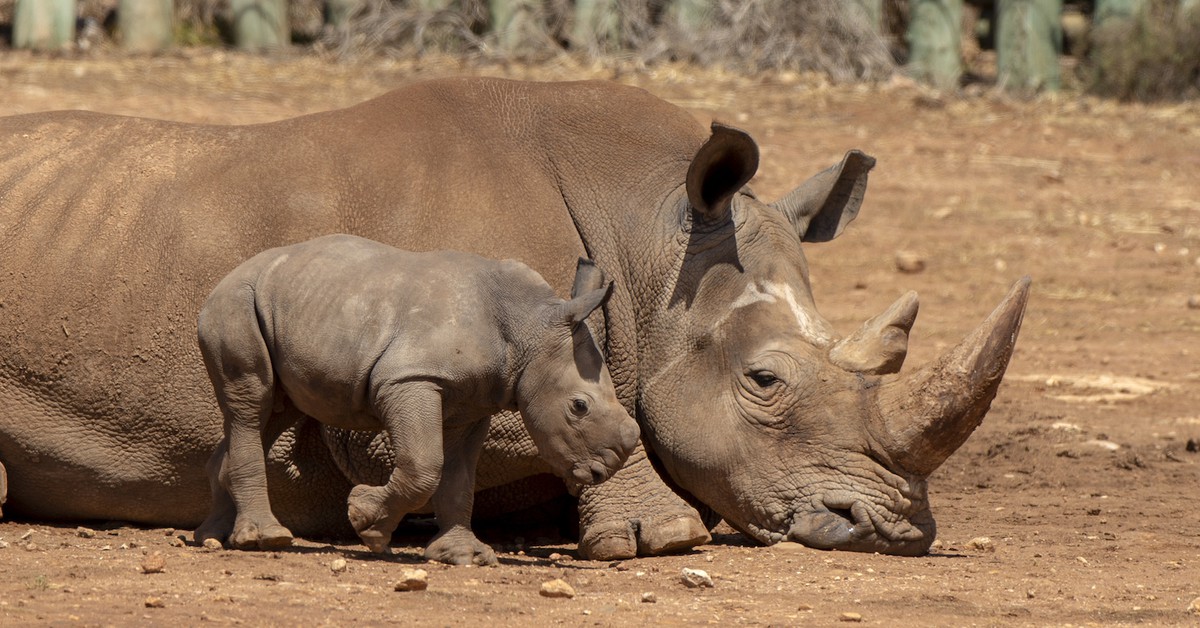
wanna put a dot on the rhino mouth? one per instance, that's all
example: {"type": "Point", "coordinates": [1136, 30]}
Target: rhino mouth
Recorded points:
{"type": "Point", "coordinates": [848, 524]}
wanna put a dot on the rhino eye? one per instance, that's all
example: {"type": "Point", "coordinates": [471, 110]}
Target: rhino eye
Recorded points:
{"type": "Point", "coordinates": [579, 406]}
{"type": "Point", "coordinates": [764, 379]}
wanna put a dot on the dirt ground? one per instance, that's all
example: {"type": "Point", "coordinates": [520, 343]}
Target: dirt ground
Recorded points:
{"type": "Point", "coordinates": [1075, 503]}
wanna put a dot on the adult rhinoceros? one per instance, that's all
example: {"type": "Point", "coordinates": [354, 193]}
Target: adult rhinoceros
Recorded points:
{"type": "Point", "coordinates": [112, 230]}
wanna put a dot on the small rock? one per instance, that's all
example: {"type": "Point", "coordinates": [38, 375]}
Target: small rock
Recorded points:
{"type": "Point", "coordinates": [854, 617]}
{"type": "Point", "coordinates": [983, 544]}
{"type": "Point", "coordinates": [554, 556]}
{"type": "Point", "coordinates": [413, 580]}
{"type": "Point", "coordinates": [695, 578]}
{"type": "Point", "coordinates": [28, 534]}
{"type": "Point", "coordinates": [804, 607]}
{"type": "Point", "coordinates": [557, 588]}
{"type": "Point", "coordinates": [789, 547]}
{"type": "Point", "coordinates": [154, 563]}
{"type": "Point", "coordinates": [176, 542]}
{"type": "Point", "coordinates": [338, 565]}
{"type": "Point", "coordinates": [649, 597]}
{"type": "Point", "coordinates": [909, 262]}
{"type": "Point", "coordinates": [169, 532]}
{"type": "Point", "coordinates": [937, 545]}
{"type": "Point", "coordinates": [1194, 302]}
{"type": "Point", "coordinates": [1193, 446]}
{"type": "Point", "coordinates": [1030, 594]}
{"type": "Point", "coordinates": [84, 533]}
{"type": "Point", "coordinates": [1194, 607]}
{"type": "Point", "coordinates": [212, 544]}
{"type": "Point", "coordinates": [154, 602]}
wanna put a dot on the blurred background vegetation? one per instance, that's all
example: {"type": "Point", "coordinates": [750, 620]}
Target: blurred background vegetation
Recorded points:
{"type": "Point", "coordinates": [1126, 49]}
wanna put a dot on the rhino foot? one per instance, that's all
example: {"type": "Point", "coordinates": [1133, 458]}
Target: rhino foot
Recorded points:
{"type": "Point", "coordinates": [372, 520]}
{"type": "Point", "coordinates": [635, 514]}
{"type": "Point", "coordinates": [458, 546]}
{"type": "Point", "coordinates": [251, 534]}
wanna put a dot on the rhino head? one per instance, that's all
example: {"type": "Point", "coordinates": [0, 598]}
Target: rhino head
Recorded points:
{"type": "Point", "coordinates": [753, 403]}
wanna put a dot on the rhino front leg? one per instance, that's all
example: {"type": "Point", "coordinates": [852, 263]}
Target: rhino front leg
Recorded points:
{"type": "Point", "coordinates": [412, 416]}
{"type": "Point", "coordinates": [453, 501]}
{"type": "Point", "coordinates": [635, 513]}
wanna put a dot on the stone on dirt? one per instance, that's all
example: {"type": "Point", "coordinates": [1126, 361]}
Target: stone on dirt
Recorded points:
{"type": "Point", "coordinates": [853, 617]}
{"type": "Point", "coordinates": [154, 602]}
{"type": "Point", "coordinates": [696, 578]}
{"type": "Point", "coordinates": [1194, 302]}
{"type": "Point", "coordinates": [1193, 445]}
{"type": "Point", "coordinates": [84, 533]}
{"type": "Point", "coordinates": [338, 565]}
{"type": "Point", "coordinates": [154, 562]}
{"type": "Point", "coordinates": [413, 580]}
{"type": "Point", "coordinates": [212, 544]}
{"type": "Point", "coordinates": [909, 262]}
{"type": "Point", "coordinates": [789, 547]}
{"type": "Point", "coordinates": [983, 544]}
{"type": "Point", "coordinates": [1194, 607]}
{"type": "Point", "coordinates": [649, 597]}
{"type": "Point", "coordinates": [557, 588]}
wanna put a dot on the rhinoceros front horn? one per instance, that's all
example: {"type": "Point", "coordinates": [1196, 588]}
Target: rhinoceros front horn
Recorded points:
{"type": "Point", "coordinates": [927, 414]}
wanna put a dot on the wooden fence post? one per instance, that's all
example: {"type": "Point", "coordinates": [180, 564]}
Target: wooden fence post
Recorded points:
{"type": "Point", "coordinates": [260, 24]}
{"type": "Point", "coordinates": [43, 24]}
{"type": "Point", "coordinates": [935, 42]}
{"type": "Point", "coordinates": [1028, 44]}
{"type": "Point", "coordinates": [146, 25]}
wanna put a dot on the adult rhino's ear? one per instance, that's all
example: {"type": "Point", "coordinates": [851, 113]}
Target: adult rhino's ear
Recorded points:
{"type": "Point", "coordinates": [575, 311]}
{"type": "Point", "coordinates": [725, 163]}
{"type": "Point", "coordinates": [588, 277]}
{"type": "Point", "coordinates": [822, 206]}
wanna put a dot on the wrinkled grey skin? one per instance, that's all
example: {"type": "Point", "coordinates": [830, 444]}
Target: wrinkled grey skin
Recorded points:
{"type": "Point", "coordinates": [114, 230]}
{"type": "Point", "coordinates": [422, 346]}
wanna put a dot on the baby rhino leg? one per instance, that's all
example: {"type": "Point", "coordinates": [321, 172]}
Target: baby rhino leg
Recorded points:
{"type": "Point", "coordinates": [240, 368]}
{"type": "Point", "coordinates": [455, 543]}
{"type": "Point", "coordinates": [412, 416]}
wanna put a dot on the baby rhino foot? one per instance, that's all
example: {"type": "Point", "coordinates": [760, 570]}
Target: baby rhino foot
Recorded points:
{"type": "Point", "coordinates": [458, 546]}
{"type": "Point", "coordinates": [265, 534]}
{"type": "Point", "coordinates": [371, 518]}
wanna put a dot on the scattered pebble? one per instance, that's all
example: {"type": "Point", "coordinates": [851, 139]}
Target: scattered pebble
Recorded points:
{"type": "Point", "coordinates": [909, 262]}
{"type": "Point", "coordinates": [557, 588]}
{"type": "Point", "coordinates": [804, 607]}
{"type": "Point", "coordinates": [154, 562]}
{"type": "Point", "coordinates": [789, 546]}
{"type": "Point", "coordinates": [154, 602]}
{"type": "Point", "coordinates": [695, 578]}
{"type": "Point", "coordinates": [1194, 302]}
{"type": "Point", "coordinates": [1081, 560]}
{"type": "Point", "coordinates": [1029, 595]}
{"type": "Point", "coordinates": [1193, 446]}
{"type": "Point", "coordinates": [176, 542]}
{"type": "Point", "coordinates": [85, 533]}
{"type": "Point", "coordinates": [338, 565]}
{"type": "Point", "coordinates": [1194, 607]}
{"type": "Point", "coordinates": [413, 580]}
{"type": "Point", "coordinates": [1103, 444]}
{"type": "Point", "coordinates": [649, 597]}
{"type": "Point", "coordinates": [169, 532]}
{"type": "Point", "coordinates": [28, 535]}
{"type": "Point", "coordinates": [983, 544]}
{"type": "Point", "coordinates": [855, 617]}
{"type": "Point", "coordinates": [212, 544]}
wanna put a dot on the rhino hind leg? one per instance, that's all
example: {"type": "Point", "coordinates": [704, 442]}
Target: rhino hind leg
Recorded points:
{"type": "Point", "coordinates": [635, 513]}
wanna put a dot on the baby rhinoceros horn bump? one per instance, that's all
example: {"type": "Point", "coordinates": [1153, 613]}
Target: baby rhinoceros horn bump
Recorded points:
{"type": "Point", "coordinates": [927, 414]}
{"type": "Point", "coordinates": [881, 344]}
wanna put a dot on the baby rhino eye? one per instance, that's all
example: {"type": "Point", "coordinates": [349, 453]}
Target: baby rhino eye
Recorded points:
{"type": "Point", "coordinates": [580, 406]}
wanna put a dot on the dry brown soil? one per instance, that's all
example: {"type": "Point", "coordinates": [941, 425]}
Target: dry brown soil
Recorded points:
{"type": "Point", "coordinates": [1081, 478]}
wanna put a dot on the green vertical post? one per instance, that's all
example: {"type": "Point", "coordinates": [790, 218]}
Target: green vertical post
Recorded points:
{"type": "Point", "coordinates": [515, 24]}
{"type": "Point", "coordinates": [43, 24]}
{"type": "Point", "coordinates": [1028, 44]}
{"type": "Point", "coordinates": [596, 25]}
{"type": "Point", "coordinates": [260, 24]}
{"type": "Point", "coordinates": [146, 25]}
{"type": "Point", "coordinates": [935, 42]}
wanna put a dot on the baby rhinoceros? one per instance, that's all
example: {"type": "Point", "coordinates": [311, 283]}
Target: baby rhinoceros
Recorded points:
{"type": "Point", "coordinates": [426, 346]}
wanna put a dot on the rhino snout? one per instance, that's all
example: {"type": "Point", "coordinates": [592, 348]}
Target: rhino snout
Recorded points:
{"type": "Point", "coordinates": [854, 527]}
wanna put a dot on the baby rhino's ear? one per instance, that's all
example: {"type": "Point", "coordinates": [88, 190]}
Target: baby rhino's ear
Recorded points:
{"type": "Point", "coordinates": [590, 291]}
